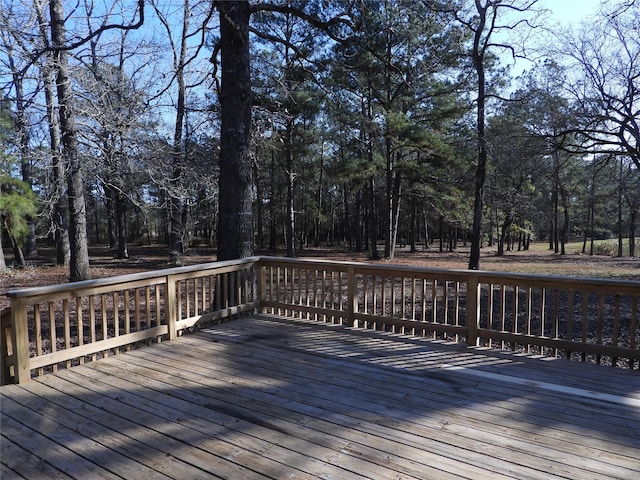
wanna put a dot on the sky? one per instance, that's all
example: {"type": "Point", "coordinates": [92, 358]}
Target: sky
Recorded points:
{"type": "Point", "coordinates": [563, 14]}
{"type": "Point", "coordinates": [570, 11]}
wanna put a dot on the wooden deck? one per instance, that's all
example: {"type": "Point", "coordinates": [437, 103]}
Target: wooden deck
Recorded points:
{"type": "Point", "coordinates": [264, 397]}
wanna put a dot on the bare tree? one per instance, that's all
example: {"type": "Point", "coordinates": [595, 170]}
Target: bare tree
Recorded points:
{"type": "Point", "coordinates": [183, 54]}
{"type": "Point", "coordinates": [606, 52]}
{"type": "Point", "coordinates": [79, 262]}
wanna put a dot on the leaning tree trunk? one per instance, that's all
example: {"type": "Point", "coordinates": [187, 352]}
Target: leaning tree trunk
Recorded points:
{"type": "Point", "coordinates": [235, 220]}
{"type": "Point", "coordinates": [79, 264]}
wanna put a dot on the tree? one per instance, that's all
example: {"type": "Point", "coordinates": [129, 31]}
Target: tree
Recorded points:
{"type": "Point", "coordinates": [607, 55]}
{"type": "Point", "coordinates": [235, 220]}
{"type": "Point", "coordinates": [56, 204]}
{"type": "Point", "coordinates": [484, 23]}
{"type": "Point", "coordinates": [79, 262]}
{"type": "Point", "coordinates": [289, 99]}
{"type": "Point", "coordinates": [18, 204]}
{"type": "Point", "coordinates": [193, 21]}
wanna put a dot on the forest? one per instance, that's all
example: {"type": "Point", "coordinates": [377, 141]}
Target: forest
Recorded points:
{"type": "Point", "coordinates": [365, 124]}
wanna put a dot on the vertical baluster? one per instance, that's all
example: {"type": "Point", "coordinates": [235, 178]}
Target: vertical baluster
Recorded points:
{"type": "Point", "coordinates": [616, 327]}
{"type": "Point", "coordinates": [374, 290]}
{"type": "Point", "coordinates": [570, 314]}
{"type": "Point", "coordinates": [434, 305]}
{"type": "Point", "coordinates": [490, 300]}
{"type": "Point", "coordinates": [528, 315]}
{"type": "Point", "coordinates": [104, 320]}
{"type": "Point", "coordinates": [503, 312]}
{"type": "Point", "coordinates": [585, 321]}
{"type": "Point", "coordinates": [456, 307]}
{"type": "Point", "coordinates": [116, 320]}
{"type": "Point", "coordinates": [187, 298]}
{"type": "Point", "coordinates": [445, 305]}
{"type": "Point", "coordinates": [53, 335]}
{"type": "Point", "coordinates": [92, 323]}
{"type": "Point", "coordinates": [556, 318]}
{"type": "Point", "coordinates": [516, 308]}
{"type": "Point", "coordinates": [633, 329]}
{"type": "Point", "coordinates": [147, 305]}
{"type": "Point", "coordinates": [211, 302]}
{"type": "Point", "coordinates": [126, 310]}
{"type": "Point", "coordinates": [423, 318]}
{"type": "Point", "coordinates": [80, 325]}
{"type": "Point", "coordinates": [413, 301]}
{"type": "Point", "coordinates": [38, 332]}
{"type": "Point", "coordinates": [543, 314]}
{"type": "Point", "coordinates": [67, 327]}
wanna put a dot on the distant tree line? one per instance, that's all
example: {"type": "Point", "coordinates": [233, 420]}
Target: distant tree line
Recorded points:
{"type": "Point", "coordinates": [366, 124]}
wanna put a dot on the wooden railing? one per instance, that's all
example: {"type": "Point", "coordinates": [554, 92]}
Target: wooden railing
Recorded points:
{"type": "Point", "coordinates": [580, 319]}
{"type": "Point", "coordinates": [64, 325]}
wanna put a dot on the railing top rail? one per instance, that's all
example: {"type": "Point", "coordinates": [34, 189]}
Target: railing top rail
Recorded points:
{"type": "Point", "coordinates": [101, 282]}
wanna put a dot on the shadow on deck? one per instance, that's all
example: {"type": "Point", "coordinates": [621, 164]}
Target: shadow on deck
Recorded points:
{"type": "Point", "coordinates": [267, 397]}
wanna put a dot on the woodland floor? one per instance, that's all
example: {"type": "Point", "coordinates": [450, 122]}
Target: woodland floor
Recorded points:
{"type": "Point", "coordinates": [41, 270]}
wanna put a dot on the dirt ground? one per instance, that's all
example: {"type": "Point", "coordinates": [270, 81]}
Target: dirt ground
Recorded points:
{"type": "Point", "coordinates": [539, 260]}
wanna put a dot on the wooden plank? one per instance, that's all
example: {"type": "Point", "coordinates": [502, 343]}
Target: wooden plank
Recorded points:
{"type": "Point", "coordinates": [25, 464]}
{"type": "Point", "coordinates": [73, 463]}
{"type": "Point", "coordinates": [491, 396]}
{"type": "Point", "coordinates": [131, 440]}
{"type": "Point", "coordinates": [418, 388]}
{"type": "Point", "coordinates": [577, 460]}
{"type": "Point", "coordinates": [264, 397]}
{"type": "Point", "coordinates": [221, 433]}
{"type": "Point", "coordinates": [7, 474]}
{"type": "Point", "coordinates": [287, 434]}
{"type": "Point", "coordinates": [311, 374]}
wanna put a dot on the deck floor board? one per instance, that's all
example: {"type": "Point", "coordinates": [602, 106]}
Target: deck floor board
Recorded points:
{"type": "Point", "coordinates": [266, 397]}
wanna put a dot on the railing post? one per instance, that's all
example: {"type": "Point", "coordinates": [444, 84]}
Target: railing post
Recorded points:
{"type": "Point", "coordinates": [473, 310]}
{"type": "Point", "coordinates": [171, 307]}
{"type": "Point", "coordinates": [20, 340]}
{"type": "Point", "coordinates": [352, 301]}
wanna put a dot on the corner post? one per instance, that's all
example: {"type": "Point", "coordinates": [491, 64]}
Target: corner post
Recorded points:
{"type": "Point", "coordinates": [473, 310]}
{"type": "Point", "coordinates": [171, 307]}
{"type": "Point", "coordinates": [20, 340]}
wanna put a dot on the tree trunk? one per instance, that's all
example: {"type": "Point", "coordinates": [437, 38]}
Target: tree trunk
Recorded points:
{"type": "Point", "coordinates": [372, 222]}
{"type": "Point", "coordinates": [59, 208]}
{"type": "Point", "coordinates": [235, 221]}
{"type": "Point", "coordinates": [79, 264]}
{"type": "Point", "coordinates": [290, 222]}
{"type": "Point", "coordinates": [503, 234]}
{"type": "Point", "coordinates": [3, 264]}
{"type": "Point", "coordinates": [259, 209]}
{"type": "Point", "coordinates": [316, 224]}
{"type": "Point", "coordinates": [121, 216]}
{"type": "Point", "coordinates": [633, 217]}
{"type": "Point", "coordinates": [18, 255]}
{"type": "Point", "coordinates": [481, 168]}
{"type": "Point", "coordinates": [620, 204]}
